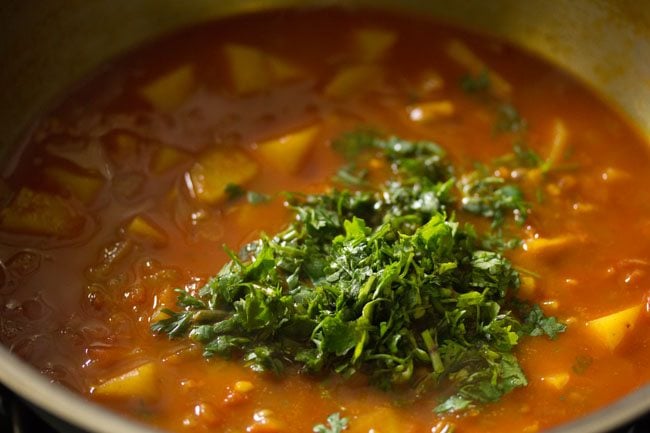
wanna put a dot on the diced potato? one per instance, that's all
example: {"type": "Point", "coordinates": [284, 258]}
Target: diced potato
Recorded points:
{"type": "Point", "coordinates": [158, 315]}
{"type": "Point", "coordinates": [141, 382]}
{"type": "Point", "coordinates": [243, 386]}
{"type": "Point", "coordinates": [550, 247]}
{"type": "Point", "coordinates": [611, 329]}
{"type": "Point", "coordinates": [465, 57]}
{"type": "Point", "coordinates": [164, 299]}
{"type": "Point", "coordinates": [527, 286]}
{"type": "Point", "coordinates": [142, 229]}
{"type": "Point", "coordinates": [282, 70]}
{"type": "Point", "coordinates": [443, 427]}
{"type": "Point", "coordinates": [557, 381]}
{"type": "Point", "coordinates": [373, 43]}
{"type": "Point", "coordinates": [253, 70]}
{"type": "Point", "coordinates": [380, 420]}
{"type": "Point", "coordinates": [40, 213]}
{"type": "Point", "coordinates": [352, 80]}
{"type": "Point", "coordinates": [265, 421]}
{"type": "Point", "coordinates": [287, 152]}
{"type": "Point", "coordinates": [168, 92]}
{"type": "Point", "coordinates": [558, 143]}
{"type": "Point", "coordinates": [84, 186]}
{"type": "Point", "coordinates": [166, 158]}
{"type": "Point", "coordinates": [430, 111]}
{"type": "Point", "coordinates": [218, 168]}
{"type": "Point", "coordinates": [248, 70]}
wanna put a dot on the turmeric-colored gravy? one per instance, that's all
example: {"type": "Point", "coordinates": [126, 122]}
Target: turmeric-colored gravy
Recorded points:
{"type": "Point", "coordinates": [119, 197]}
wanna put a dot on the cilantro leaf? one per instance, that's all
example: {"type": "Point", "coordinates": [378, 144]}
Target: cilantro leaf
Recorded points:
{"type": "Point", "coordinates": [381, 281]}
{"type": "Point", "coordinates": [335, 424]}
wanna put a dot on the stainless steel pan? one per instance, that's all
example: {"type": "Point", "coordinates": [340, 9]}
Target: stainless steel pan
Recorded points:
{"type": "Point", "coordinates": [48, 45]}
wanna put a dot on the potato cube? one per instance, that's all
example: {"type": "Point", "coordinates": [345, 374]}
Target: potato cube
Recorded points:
{"type": "Point", "coordinates": [287, 152]}
{"type": "Point", "coordinates": [253, 70]}
{"type": "Point", "coordinates": [215, 170]}
{"type": "Point", "coordinates": [430, 111]}
{"type": "Point", "coordinates": [40, 213]}
{"type": "Point", "coordinates": [142, 229]}
{"type": "Point", "coordinates": [611, 329]}
{"type": "Point", "coordinates": [352, 80]}
{"type": "Point", "coordinates": [141, 382]}
{"type": "Point", "coordinates": [380, 420]}
{"type": "Point", "coordinates": [550, 247]}
{"type": "Point", "coordinates": [527, 286]}
{"type": "Point", "coordinates": [168, 92]}
{"type": "Point", "coordinates": [84, 186]}
{"type": "Point", "coordinates": [282, 70]}
{"type": "Point", "coordinates": [248, 70]}
{"type": "Point", "coordinates": [559, 142]}
{"type": "Point", "coordinates": [373, 43]}
{"type": "Point", "coordinates": [166, 158]}
{"type": "Point", "coordinates": [557, 381]}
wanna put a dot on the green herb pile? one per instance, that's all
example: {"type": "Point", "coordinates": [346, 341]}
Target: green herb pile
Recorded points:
{"type": "Point", "coordinates": [379, 280]}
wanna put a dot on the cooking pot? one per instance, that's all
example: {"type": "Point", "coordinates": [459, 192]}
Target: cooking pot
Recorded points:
{"type": "Point", "coordinates": [47, 46]}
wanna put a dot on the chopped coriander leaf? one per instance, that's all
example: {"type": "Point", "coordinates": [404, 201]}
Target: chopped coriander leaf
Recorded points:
{"type": "Point", "coordinates": [351, 175]}
{"type": "Point", "coordinates": [234, 191]}
{"type": "Point", "coordinates": [526, 157]}
{"type": "Point", "coordinates": [257, 197]}
{"type": "Point", "coordinates": [335, 424]}
{"type": "Point", "coordinates": [476, 83]}
{"type": "Point", "coordinates": [538, 324]}
{"type": "Point", "coordinates": [509, 120]}
{"type": "Point", "coordinates": [582, 364]}
{"type": "Point", "coordinates": [492, 197]}
{"type": "Point", "coordinates": [384, 282]}
{"type": "Point", "coordinates": [353, 143]}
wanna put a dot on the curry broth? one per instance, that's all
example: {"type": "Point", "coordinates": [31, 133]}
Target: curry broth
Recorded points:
{"type": "Point", "coordinates": [78, 306]}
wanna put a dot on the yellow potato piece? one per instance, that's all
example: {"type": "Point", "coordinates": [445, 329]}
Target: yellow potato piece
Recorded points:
{"type": "Point", "coordinates": [141, 382]}
{"type": "Point", "coordinates": [83, 186]}
{"type": "Point", "coordinates": [550, 247]}
{"type": "Point", "coordinates": [287, 152]}
{"type": "Point", "coordinates": [282, 70]}
{"type": "Point", "coordinates": [248, 70]}
{"type": "Point", "coordinates": [216, 169]}
{"type": "Point", "coordinates": [253, 70]}
{"type": "Point", "coordinates": [352, 80]}
{"type": "Point", "coordinates": [559, 143]}
{"type": "Point", "coordinates": [40, 213]}
{"type": "Point", "coordinates": [373, 43]}
{"type": "Point", "coordinates": [166, 158]}
{"type": "Point", "coordinates": [527, 286]}
{"type": "Point", "coordinates": [168, 92]}
{"type": "Point", "coordinates": [611, 329]}
{"type": "Point", "coordinates": [557, 381]}
{"type": "Point", "coordinates": [142, 229]}
{"type": "Point", "coordinates": [380, 420]}
{"type": "Point", "coordinates": [430, 111]}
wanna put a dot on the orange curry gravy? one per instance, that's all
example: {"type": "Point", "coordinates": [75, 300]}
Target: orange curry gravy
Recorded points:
{"type": "Point", "coordinates": [118, 219]}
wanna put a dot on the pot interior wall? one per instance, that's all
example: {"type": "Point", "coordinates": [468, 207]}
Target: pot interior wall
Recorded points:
{"type": "Point", "coordinates": [46, 49]}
